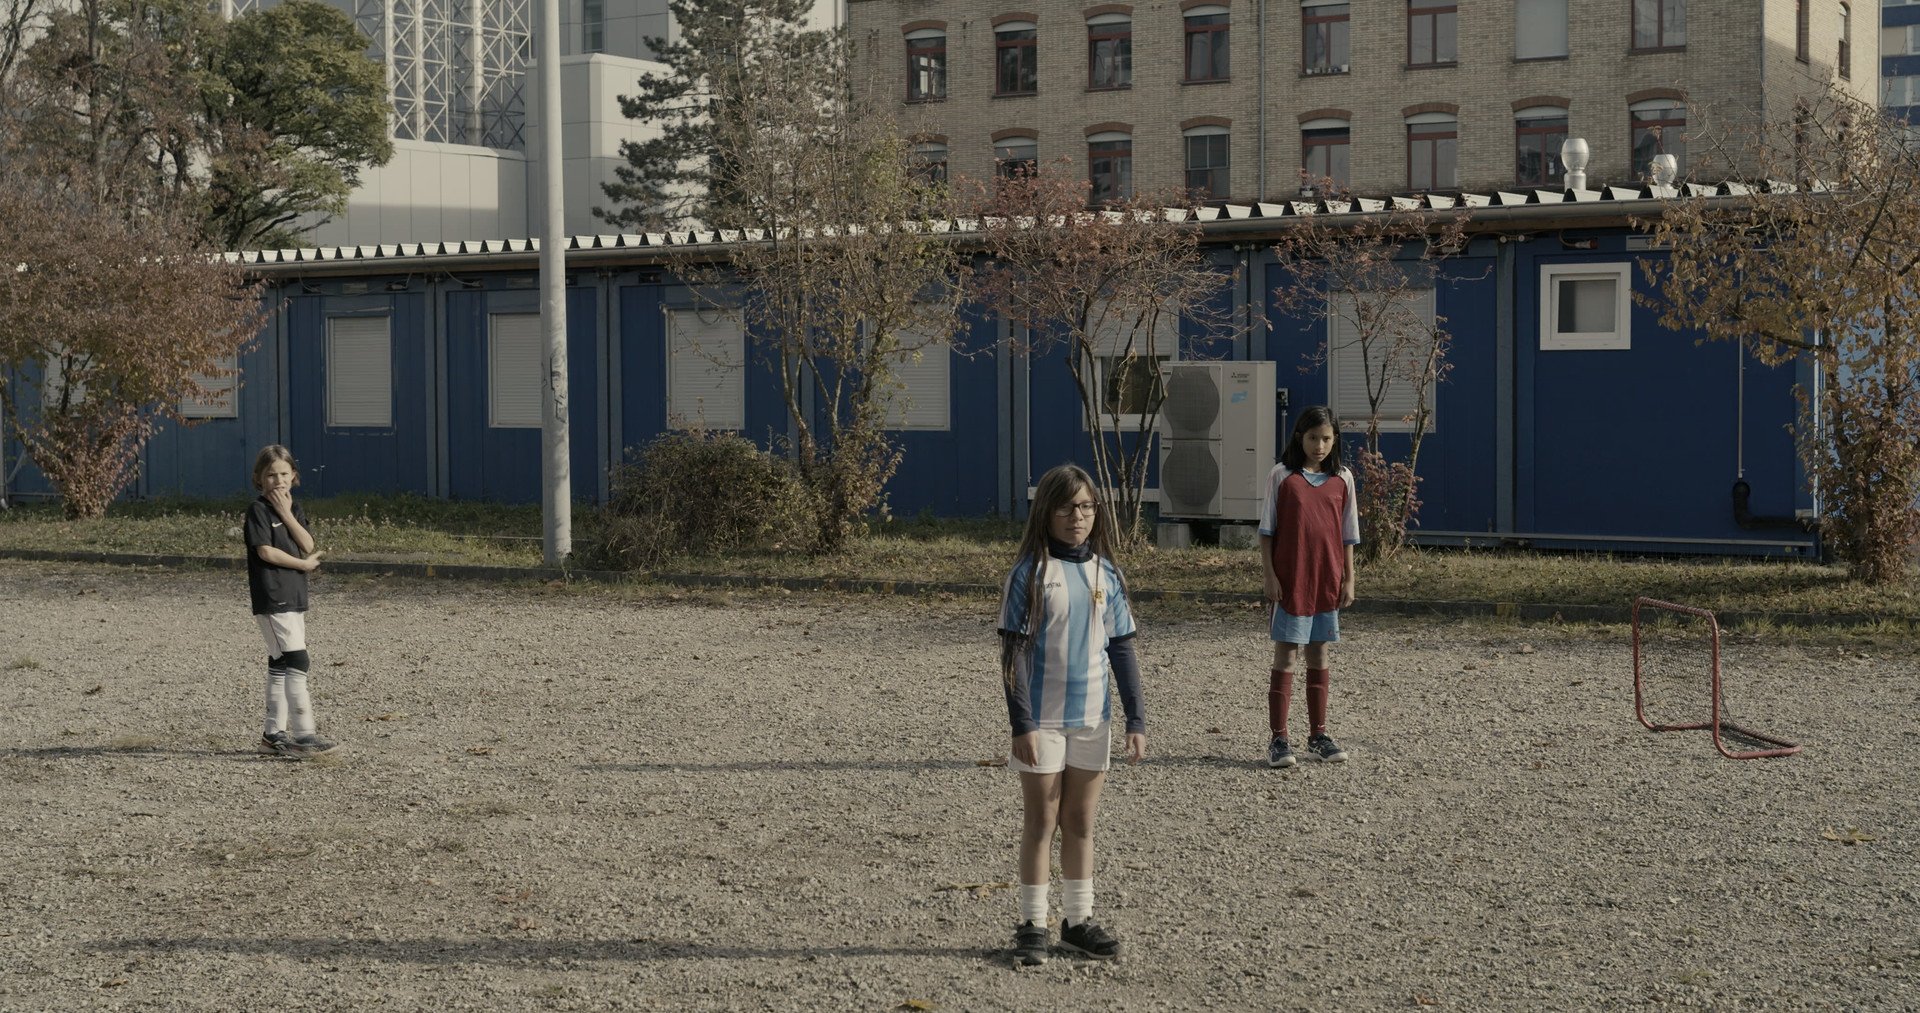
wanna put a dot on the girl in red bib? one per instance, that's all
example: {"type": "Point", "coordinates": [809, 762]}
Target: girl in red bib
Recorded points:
{"type": "Point", "coordinates": [1309, 524]}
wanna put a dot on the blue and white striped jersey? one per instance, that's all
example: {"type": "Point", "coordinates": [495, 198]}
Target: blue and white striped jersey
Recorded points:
{"type": "Point", "coordinates": [1083, 608]}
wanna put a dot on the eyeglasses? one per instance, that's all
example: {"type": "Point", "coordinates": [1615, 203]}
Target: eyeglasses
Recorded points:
{"type": "Point", "coordinates": [1083, 509]}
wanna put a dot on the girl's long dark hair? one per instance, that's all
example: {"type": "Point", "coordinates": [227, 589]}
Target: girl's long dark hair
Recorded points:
{"type": "Point", "coordinates": [1295, 456]}
{"type": "Point", "coordinates": [1057, 488]}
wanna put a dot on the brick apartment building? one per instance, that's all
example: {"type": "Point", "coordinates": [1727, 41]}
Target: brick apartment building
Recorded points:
{"type": "Point", "coordinates": [1238, 99]}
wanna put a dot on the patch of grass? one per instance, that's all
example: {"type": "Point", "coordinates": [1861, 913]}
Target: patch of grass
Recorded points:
{"type": "Point", "coordinates": [250, 854]}
{"type": "Point", "coordinates": [24, 664]}
{"type": "Point", "coordinates": [977, 552]}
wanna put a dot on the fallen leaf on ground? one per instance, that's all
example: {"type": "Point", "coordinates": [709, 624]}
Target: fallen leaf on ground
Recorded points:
{"type": "Point", "coordinates": [480, 750]}
{"type": "Point", "coordinates": [977, 889]}
{"type": "Point", "coordinates": [916, 1004]}
{"type": "Point", "coordinates": [388, 716]}
{"type": "Point", "coordinates": [1851, 837]}
{"type": "Point", "coordinates": [95, 691]}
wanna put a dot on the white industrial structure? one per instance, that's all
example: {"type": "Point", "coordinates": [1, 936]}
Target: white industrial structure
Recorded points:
{"type": "Point", "coordinates": [465, 114]}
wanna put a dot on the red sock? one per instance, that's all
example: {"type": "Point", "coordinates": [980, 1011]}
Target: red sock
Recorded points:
{"type": "Point", "coordinates": [1317, 685]}
{"type": "Point", "coordinates": [1279, 698]}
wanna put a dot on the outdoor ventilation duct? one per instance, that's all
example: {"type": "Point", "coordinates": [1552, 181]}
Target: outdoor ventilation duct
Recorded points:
{"type": "Point", "coordinates": [1573, 155]}
{"type": "Point", "coordinates": [1664, 169]}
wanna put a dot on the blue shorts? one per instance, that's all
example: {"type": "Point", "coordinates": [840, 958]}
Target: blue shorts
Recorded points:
{"type": "Point", "coordinates": [1319, 628]}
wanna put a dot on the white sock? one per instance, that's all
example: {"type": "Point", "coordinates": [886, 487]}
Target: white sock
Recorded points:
{"type": "Point", "coordinates": [1033, 904]}
{"type": "Point", "coordinates": [1076, 900]}
{"type": "Point", "coordinates": [299, 705]}
{"type": "Point", "coordinates": [276, 701]}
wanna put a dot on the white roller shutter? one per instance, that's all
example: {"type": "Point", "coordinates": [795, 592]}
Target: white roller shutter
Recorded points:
{"type": "Point", "coordinates": [514, 374]}
{"type": "Point", "coordinates": [359, 372]}
{"type": "Point", "coordinates": [924, 395]}
{"type": "Point", "coordinates": [220, 401]}
{"type": "Point", "coordinates": [1347, 375]}
{"type": "Point", "coordinates": [706, 370]}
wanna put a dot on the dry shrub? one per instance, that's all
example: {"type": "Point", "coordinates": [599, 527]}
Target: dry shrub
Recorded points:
{"type": "Point", "coordinates": [699, 493]}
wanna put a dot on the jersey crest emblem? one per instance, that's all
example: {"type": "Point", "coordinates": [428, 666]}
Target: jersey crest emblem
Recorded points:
{"type": "Point", "coordinates": [1099, 595]}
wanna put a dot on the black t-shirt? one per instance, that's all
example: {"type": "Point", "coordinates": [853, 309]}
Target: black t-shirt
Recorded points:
{"type": "Point", "coordinates": [275, 589]}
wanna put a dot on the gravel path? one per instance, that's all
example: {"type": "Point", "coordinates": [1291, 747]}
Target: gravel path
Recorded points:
{"type": "Point", "coordinates": [616, 799]}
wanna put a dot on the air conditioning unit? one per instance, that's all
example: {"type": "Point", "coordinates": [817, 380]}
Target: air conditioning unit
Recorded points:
{"type": "Point", "coordinates": [1216, 440]}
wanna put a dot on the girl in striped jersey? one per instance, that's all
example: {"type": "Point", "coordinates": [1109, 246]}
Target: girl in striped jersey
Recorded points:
{"type": "Point", "coordinates": [1066, 637]}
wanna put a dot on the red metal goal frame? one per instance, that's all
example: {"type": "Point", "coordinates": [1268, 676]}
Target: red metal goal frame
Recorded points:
{"type": "Point", "coordinates": [1781, 746]}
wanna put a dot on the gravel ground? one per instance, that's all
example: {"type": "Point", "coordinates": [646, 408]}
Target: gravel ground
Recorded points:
{"type": "Point", "coordinates": [558, 799]}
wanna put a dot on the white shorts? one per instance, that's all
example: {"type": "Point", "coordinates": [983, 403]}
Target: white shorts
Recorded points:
{"type": "Point", "coordinates": [1079, 748]}
{"type": "Point", "coordinates": [283, 632]}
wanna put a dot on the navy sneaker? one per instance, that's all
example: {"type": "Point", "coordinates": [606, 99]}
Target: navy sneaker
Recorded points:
{"type": "Point", "coordinates": [278, 744]}
{"type": "Point", "coordinates": [1030, 944]}
{"type": "Point", "coordinates": [1089, 939]}
{"type": "Point", "coordinates": [1326, 749]}
{"type": "Point", "coordinates": [1279, 752]}
{"type": "Point", "coordinates": [313, 745]}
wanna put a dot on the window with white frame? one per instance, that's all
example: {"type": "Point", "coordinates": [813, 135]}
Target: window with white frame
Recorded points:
{"type": "Point", "coordinates": [1130, 347]}
{"type": "Point", "coordinates": [53, 382]}
{"type": "Point", "coordinates": [1539, 29]}
{"type": "Point", "coordinates": [514, 356]}
{"type": "Point", "coordinates": [1585, 306]}
{"type": "Point", "coordinates": [706, 370]}
{"type": "Point", "coordinates": [1900, 40]}
{"type": "Point", "coordinates": [922, 397]}
{"type": "Point", "coordinates": [359, 372]}
{"type": "Point", "coordinates": [221, 386]}
{"type": "Point", "coordinates": [1381, 359]}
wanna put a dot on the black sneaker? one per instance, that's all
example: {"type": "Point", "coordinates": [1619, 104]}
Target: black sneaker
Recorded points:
{"type": "Point", "coordinates": [1326, 749]}
{"type": "Point", "coordinates": [1279, 752]}
{"type": "Point", "coordinates": [1030, 944]}
{"type": "Point", "coordinates": [1089, 939]}
{"type": "Point", "coordinates": [278, 744]}
{"type": "Point", "coordinates": [314, 745]}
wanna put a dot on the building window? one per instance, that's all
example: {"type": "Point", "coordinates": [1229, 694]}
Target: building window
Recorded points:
{"type": "Point", "coordinates": [1207, 162]}
{"type": "Point", "coordinates": [922, 397]}
{"type": "Point", "coordinates": [1016, 59]}
{"type": "Point", "coordinates": [1801, 31]}
{"type": "Point", "coordinates": [927, 163]}
{"type": "Point", "coordinates": [1659, 128]}
{"type": "Point", "coordinates": [1325, 38]}
{"type": "Point", "coordinates": [1324, 147]}
{"type": "Point", "coordinates": [1846, 41]}
{"type": "Point", "coordinates": [1359, 372]}
{"type": "Point", "coordinates": [1207, 44]}
{"type": "Point", "coordinates": [1131, 348]}
{"type": "Point", "coordinates": [1014, 157]}
{"type": "Point", "coordinates": [927, 65]}
{"type": "Point", "coordinates": [1110, 167]}
{"type": "Point", "coordinates": [515, 347]}
{"type": "Point", "coordinates": [1110, 51]}
{"type": "Point", "coordinates": [1902, 91]}
{"type": "Point", "coordinates": [593, 25]}
{"type": "Point", "coordinates": [1433, 152]}
{"type": "Point", "coordinates": [1659, 24]}
{"type": "Point", "coordinates": [1539, 29]}
{"type": "Point", "coordinates": [1538, 133]}
{"type": "Point", "coordinates": [1902, 40]}
{"type": "Point", "coordinates": [1585, 307]}
{"type": "Point", "coordinates": [359, 372]}
{"type": "Point", "coordinates": [220, 401]}
{"type": "Point", "coordinates": [1430, 33]}
{"type": "Point", "coordinates": [706, 374]}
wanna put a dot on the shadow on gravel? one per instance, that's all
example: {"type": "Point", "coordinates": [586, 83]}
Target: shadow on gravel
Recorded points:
{"type": "Point", "coordinates": [74, 752]}
{"type": "Point", "coordinates": [761, 766]}
{"type": "Point", "coordinates": [506, 951]}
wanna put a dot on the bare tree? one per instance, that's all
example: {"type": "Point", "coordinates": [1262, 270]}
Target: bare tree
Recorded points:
{"type": "Point", "coordinates": [846, 270]}
{"type": "Point", "coordinates": [1817, 260]}
{"type": "Point", "coordinates": [1115, 287]}
{"type": "Point", "coordinates": [1371, 278]}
